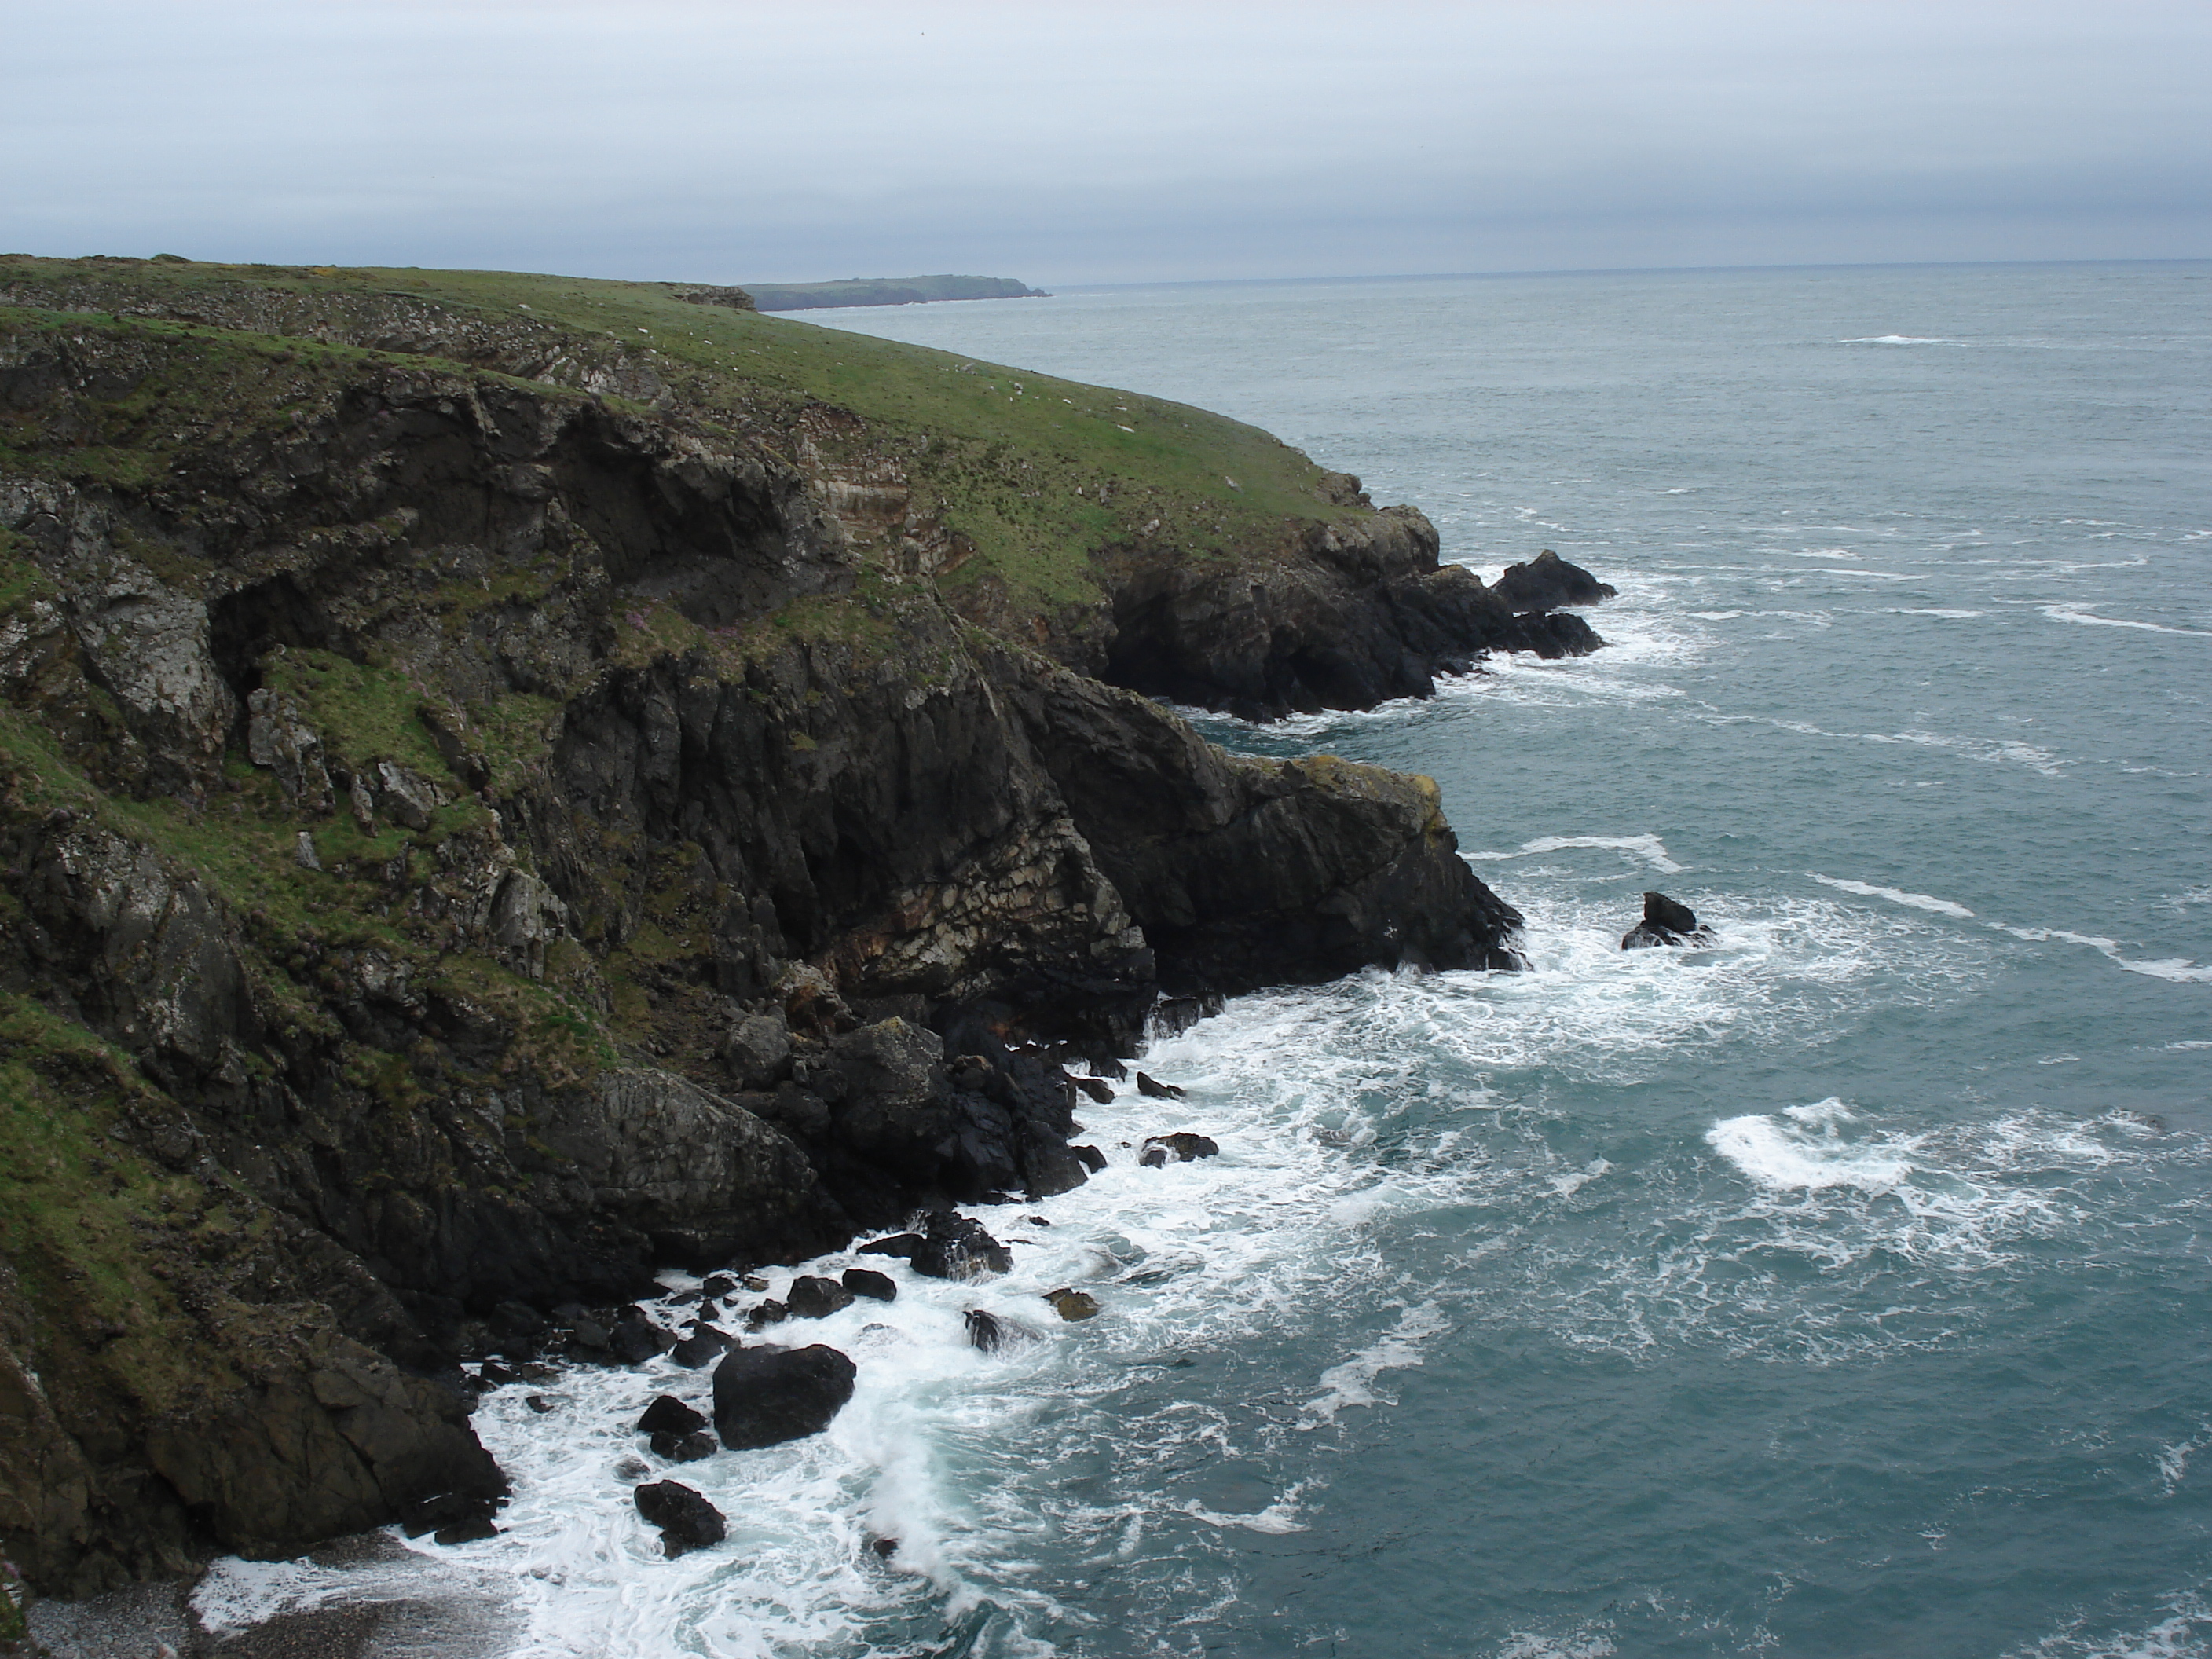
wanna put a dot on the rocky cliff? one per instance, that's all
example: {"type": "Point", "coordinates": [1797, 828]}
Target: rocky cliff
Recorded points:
{"type": "Point", "coordinates": [508, 781]}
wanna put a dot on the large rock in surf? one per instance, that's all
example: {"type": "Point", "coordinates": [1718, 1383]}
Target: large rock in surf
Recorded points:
{"type": "Point", "coordinates": [955, 1247]}
{"type": "Point", "coordinates": [765, 1396]}
{"type": "Point", "coordinates": [1665, 922]}
{"type": "Point", "coordinates": [687, 1520]}
{"type": "Point", "coordinates": [1548, 581]}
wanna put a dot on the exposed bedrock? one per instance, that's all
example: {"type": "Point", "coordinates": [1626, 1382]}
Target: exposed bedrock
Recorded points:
{"type": "Point", "coordinates": [1355, 614]}
{"type": "Point", "coordinates": [465, 842]}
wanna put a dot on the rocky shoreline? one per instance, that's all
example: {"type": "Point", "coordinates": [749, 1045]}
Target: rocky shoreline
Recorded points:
{"type": "Point", "coordinates": [490, 807]}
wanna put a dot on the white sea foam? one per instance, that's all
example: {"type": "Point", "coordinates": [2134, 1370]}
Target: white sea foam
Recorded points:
{"type": "Point", "coordinates": [2174, 1637]}
{"type": "Point", "coordinates": [1934, 611]}
{"type": "Point", "coordinates": [1995, 751]}
{"type": "Point", "coordinates": [1804, 1147]}
{"type": "Point", "coordinates": [1894, 339]}
{"type": "Point", "coordinates": [1645, 849]}
{"type": "Point", "coordinates": [2179, 970]}
{"type": "Point", "coordinates": [2074, 613]}
{"type": "Point", "coordinates": [1353, 1382]}
{"type": "Point", "coordinates": [1895, 895]}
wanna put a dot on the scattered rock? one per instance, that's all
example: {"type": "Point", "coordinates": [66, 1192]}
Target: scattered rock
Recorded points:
{"type": "Point", "coordinates": [1548, 581]}
{"type": "Point", "coordinates": [1072, 1304]}
{"type": "Point", "coordinates": [1097, 1087]}
{"type": "Point", "coordinates": [955, 1246]}
{"type": "Point", "coordinates": [538, 1402]}
{"type": "Point", "coordinates": [687, 1520]}
{"type": "Point", "coordinates": [684, 1448]}
{"type": "Point", "coordinates": [902, 1245]}
{"type": "Point", "coordinates": [633, 1469]}
{"type": "Point", "coordinates": [1153, 1087]}
{"type": "Point", "coordinates": [1037, 1221]}
{"type": "Point", "coordinates": [493, 1375]}
{"type": "Point", "coordinates": [1089, 1157]}
{"type": "Point", "coordinates": [465, 1515]}
{"type": "Point", "coordinates": [669, 1415]}
{"type": "Point", "coordinates": [866, 1281]}
{"type": "Point", "coordinates": [719, 1284]}
{"type": "Point", "coordinates": [1665, 922]}
{"type": "Point", "coordinates": [638, 1340]}
{"type": "Point", "coordinates": [811, 1296]}
{"type": "Point", "coordinates": [702, 1347]}
{"type": "Point", "coordinates": [768, 1313]}
{"type": "Point", "coordinates": [990, 1333]}
{"type": "Point", "coordinates": [1182, 1146]}
{"type": "Point", "coordinates": [765, 1396]}
{"type": "Point", "coordinates": [753, 1282]}
{"type": "Point", "coordinates": [886, 1547]}
{"type": "Point", "coordinates": [303, 852]}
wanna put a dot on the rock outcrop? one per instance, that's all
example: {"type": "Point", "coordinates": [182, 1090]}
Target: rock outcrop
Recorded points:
{"type": "Point", "coordinates": [1547, 582]}
{"type": "Point", "coordinates": [765, 1396]}
{"type": "Point", "coordinates": [493, 802]}
{"type": "Point", "coordinates": [1666, 922]}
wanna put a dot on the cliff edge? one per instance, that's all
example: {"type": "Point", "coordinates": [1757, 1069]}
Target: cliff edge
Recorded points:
{"type": "Point", "coordinates": [507, 782]}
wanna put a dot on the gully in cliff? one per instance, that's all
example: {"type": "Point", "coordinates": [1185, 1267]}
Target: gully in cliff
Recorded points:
{"type": "Point", "coordinates": [715, 851]}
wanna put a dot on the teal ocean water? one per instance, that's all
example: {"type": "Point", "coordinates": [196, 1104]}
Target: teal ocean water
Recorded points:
{"type": "Point", "coordinates": [1843, 1290]}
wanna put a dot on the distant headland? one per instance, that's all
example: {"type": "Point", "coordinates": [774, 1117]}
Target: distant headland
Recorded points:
{"type": "Point", "coordinates": [887, 291]}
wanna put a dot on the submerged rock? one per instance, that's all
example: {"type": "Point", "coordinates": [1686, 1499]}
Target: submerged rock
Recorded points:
{"type": "Point", "coordinates": [687, 1520]}
{"type": "Point", "coordinates": [684, 1448]}
{"type": "Point", "coordinates": [1665, 922]}
{"type": "Point", "coordinates": [765, 1396]}
{"type": "Point", "coordinates": [702, 1347]}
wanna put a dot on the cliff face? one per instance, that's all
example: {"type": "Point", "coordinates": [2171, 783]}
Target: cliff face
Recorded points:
{"type": "Point", "coordinates": [488, 805]}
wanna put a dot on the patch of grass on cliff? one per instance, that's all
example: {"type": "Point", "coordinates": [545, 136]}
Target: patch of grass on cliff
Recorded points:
{"type": "Point", "coordinates": [365, 711]}
{"type": "Point", "coordinates": [83, 1218]}
{"type": "Point", "coordinates": [1013, 460]}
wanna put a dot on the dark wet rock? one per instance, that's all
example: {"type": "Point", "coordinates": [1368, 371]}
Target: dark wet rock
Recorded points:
{"type": "Point", "coordinates": [1036, 1221]}
{"type": "Point", "coordinates": [537, 1402]}
{"type": "Point", "coordinates": [1153, 1089]}
{"type": "Point", "coordinates": [493, 1375]}
{"type": "Point", "coordinates": [592, 1333]}
{"type": "Point", "coordinates": [1097, 1087]}
{"type": "Point", "coordinates": [765, 1396]}
{"type": "Point", "coordinates": [866, 1281]}
{"type": "Point", "coordinates": [516, 1321]}
{"type": "Point", "coordinates": [1182, 1147]}
{"type": "Point", "coordinates": [898, 1245]}
{"type": "Point", "coordinates": [686, 1519]}
{"type": "Point", "coordinates": [684, 1448]}
{"type": "Point", "coordinates": [445, 1511]}
{"type": "Point", "coordinates": [1666, 922]}
{"type": "Point", "coordinates": [669, 1415]}
{"type": "Point", "coordinates": [702, 1347]}
{"type": "Point", "coordinates": [1093, 1159]}
{"type": "Point", "coordinates": [718, 1285]}
{"type": "Point", "coordinates": [1548, 581]}
{"type": "Point", "coordinates": [956, 1247]}
{"type": "Point", "coordinates": [636, 1340]}
{"type": "Point", "coordinates": [811, 1296]}
{"type": "Point", "coordinates": [1072, 1304]}
{"type": "Point", "coordinates": [991, 1332]}
{"type": "Point", "coordinates": [768, 1313]}
{"type": "Point", "coordinates": [885, 1547]}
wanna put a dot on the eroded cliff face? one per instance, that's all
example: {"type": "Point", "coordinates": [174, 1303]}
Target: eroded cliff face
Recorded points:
{"type": "Point", "coordinates": [484, 811]}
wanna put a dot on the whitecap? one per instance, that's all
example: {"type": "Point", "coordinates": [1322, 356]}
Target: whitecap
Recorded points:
{"type": "Point", "coordinates": [1950, 616]}
{"type": "Point", "coordinates": [1894, 339]}
{"type": "Point", "coordinates": [1353, 1382]}
{"type": "Point", "coordinates": [1646, 848]}
{"type": "Point", "coordinates": [1895, 895]}
{"type": "Point", "coordinates": [2074, 613]}
{"type": "Point", "coordinates": [1807, 1150]}
{"type": "Point", "coordinates": [2177, 971]}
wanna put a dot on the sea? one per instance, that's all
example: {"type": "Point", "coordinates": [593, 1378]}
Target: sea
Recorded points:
{"type": "Point", "coordinates": [1842, 1287]}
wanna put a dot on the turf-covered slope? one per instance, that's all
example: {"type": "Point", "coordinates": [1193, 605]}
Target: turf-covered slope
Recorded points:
{"type": "Point", "coordinates": [507, 780]}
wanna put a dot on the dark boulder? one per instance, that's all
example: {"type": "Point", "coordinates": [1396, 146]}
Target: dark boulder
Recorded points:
{"type": "Point", "coordinates": [1093, 1159]}
{"type": "Point", "coordinates": [1153, 1089]}
{"type": "Point", "coordinates": [1665, 922]}
{"type": "Point", "coordinates": [1097, 1087]}
{"type": "Point", "coordinates": [717, 1284]}
{"type": "Point", "coordinates": [902, 1245]}
{"type": "Point", "coordinates": [814, 1297]}
{"type": "Point", "coordinates": [465, 1515]}
{"type": "Point", "coordinates": [1072, 1304]}
{"type": "Point", "coordinates": [866, 1281]}
{"type": "Point", "coordinates": [684, 1448]}
{"type": "Point", "coordinates": [986, 1331]}
{"type": "Point", "coordinates": [955, 1246]}
{"type": "Point", "coordinates": [765, 1396]}
{"type": "Point", "coordinates": [1182, 1146]}
{"type": "Point", "coordinates": [669, 1415]}
{"type": "Point", "coordinates": [687, 1520]}
{"type": "Point", "coordinates": [635, 1341]}
{"type": "Point", "coordinates": [1548, 581]}
{"type": "Point", "coordinates": [770, 1312]}
{"type": "Point", "coordinates": [702, 1347]}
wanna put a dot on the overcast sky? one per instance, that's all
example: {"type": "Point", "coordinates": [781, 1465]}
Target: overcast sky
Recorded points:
{"type": "Point", "coordinates": [1107, 142]}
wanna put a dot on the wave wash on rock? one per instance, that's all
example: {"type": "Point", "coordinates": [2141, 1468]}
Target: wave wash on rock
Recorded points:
{"type": "Point", "coordinates": [505, 782]}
